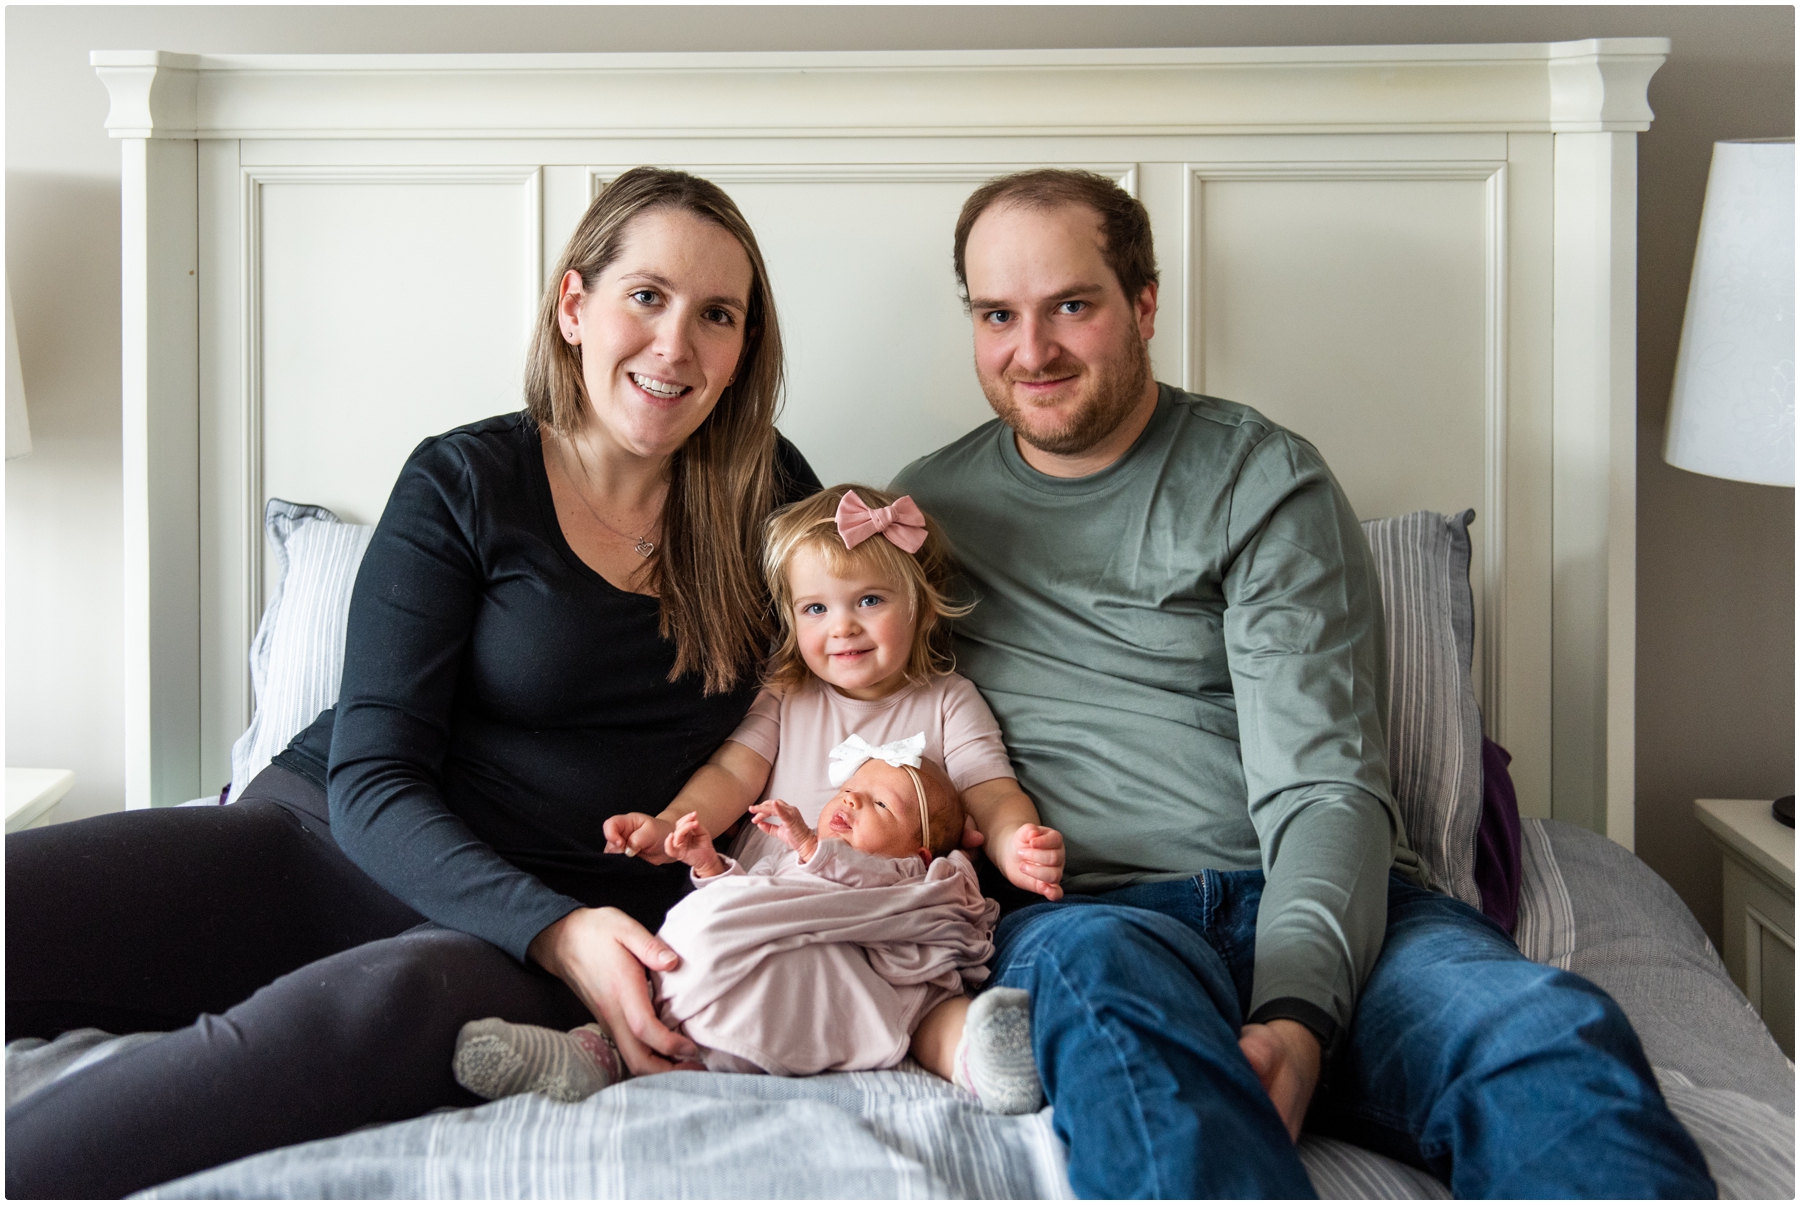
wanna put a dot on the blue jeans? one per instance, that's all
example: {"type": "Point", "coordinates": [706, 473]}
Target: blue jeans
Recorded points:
{"type": "Point", "coordinates": [1502, 1077]}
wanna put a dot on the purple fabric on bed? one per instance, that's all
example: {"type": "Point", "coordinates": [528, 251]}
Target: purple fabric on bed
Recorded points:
{"type": "Point", "coordinates": [1497, 871]}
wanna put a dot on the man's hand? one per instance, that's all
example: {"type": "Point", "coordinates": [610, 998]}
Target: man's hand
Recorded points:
{"type": "Point", "coordinates": [1032, 858]}
{"type": "Point", "coordinates": [691, 843]}
{"type": "Point", "coordinates": [1285, 1056]}
{"type": "Point", "coordinates": [784, 822]}
{"type": "Point", "coordinates": [638, 836]}
{"type": "Point", "coordinates": [601, 954]}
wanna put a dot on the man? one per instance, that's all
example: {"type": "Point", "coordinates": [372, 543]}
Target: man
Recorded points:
{"type": "Point", "coordinates": [1179, 630]}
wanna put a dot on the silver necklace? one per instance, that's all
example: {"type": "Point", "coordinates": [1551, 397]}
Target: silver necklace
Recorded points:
{"type": "Point", "coordinates": [642, 545]}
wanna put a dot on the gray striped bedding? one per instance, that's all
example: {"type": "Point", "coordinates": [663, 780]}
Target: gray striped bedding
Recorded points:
{"type": "Point", "coordinates": [1586, 903]}
{"type": "Point", "coordinates": [297, 658]}
{"type": "Point", "coordinates": [1434, 726]}
{"type": "Point", "coordinates": [1749, 1145]}
{"type": "Point", "coordinates": [1545, 930]}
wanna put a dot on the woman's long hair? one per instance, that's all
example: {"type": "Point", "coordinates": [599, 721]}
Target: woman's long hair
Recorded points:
{"type": "Point", "coordinates": [705, 572]}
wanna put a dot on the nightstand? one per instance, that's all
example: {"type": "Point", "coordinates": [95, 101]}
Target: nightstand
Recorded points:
{"type": "Point", "coordinates": [1759, 906]}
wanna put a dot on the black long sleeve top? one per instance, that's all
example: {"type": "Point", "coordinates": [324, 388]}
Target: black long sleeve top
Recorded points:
{"type": "Point", "coordinates": [500, 699]}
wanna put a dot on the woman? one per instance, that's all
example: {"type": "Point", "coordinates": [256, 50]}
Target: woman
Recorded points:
{"type": "Point", "coordinates": [558, 619]}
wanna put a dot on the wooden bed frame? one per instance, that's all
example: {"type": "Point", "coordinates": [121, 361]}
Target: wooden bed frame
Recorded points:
{"type": "Point", "coordinates": [1420, 257]}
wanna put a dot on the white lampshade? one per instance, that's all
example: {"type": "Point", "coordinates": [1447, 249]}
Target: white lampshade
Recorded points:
{"type": "Point", "coordinates": [1732, 411]}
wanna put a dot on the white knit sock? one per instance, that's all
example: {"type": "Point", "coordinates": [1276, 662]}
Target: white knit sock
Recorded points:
{"type": "Point", "coordinates": [993, 1059]}
{"type": "Point", "coordinates": [496, 1058]}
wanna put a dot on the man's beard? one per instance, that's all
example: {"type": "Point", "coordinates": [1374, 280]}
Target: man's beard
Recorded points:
{"type": "Point", "coordinates": [1114, 387]}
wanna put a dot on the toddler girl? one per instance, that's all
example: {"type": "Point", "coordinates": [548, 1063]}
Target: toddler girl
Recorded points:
{"type": "Point", "coordinates": [862, 669]}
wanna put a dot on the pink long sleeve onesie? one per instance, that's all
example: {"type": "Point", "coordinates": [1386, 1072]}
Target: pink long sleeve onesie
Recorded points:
{"type": "Point", "coordinates": [795, 968]}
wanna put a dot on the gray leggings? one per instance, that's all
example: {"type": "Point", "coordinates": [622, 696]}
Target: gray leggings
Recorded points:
{"type": "Point", "coordinates": [302, 999]}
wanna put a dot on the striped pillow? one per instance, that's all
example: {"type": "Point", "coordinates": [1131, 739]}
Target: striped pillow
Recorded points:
{"type": "Point", "coordinates": [297, 658]}
{"type": "Point", "coordinates": [1434, 725]}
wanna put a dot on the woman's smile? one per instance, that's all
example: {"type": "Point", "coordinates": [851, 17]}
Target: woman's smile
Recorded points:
{"type": "Point", "coordinates": [658, 389]}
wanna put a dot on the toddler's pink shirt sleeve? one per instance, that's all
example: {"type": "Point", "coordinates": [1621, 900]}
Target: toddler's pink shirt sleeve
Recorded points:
{"type": "Point", "coordinates": [973, 750]}
{"type": "Point", "coordinates": [760, 731]}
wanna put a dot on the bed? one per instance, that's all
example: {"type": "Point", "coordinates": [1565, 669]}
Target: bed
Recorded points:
{"type": "Point", "coordinates": [1587, 905]}
{"type": "Point", "coordinates": [1421, 257]}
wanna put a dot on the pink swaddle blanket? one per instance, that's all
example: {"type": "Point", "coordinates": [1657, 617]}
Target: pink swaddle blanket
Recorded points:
{"type": "Point", "coordinates": [795, 969]}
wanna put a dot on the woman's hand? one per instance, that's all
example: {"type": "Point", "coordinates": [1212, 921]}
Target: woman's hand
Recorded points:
{"type": "Point", "coordinates": [601, 954]}
{"type": "Point", "coordinates": [691, 843]}
{"type": "Point", "coordinates": [638, 836]}
{"type": "Point", "coordinates": [1033, 859]}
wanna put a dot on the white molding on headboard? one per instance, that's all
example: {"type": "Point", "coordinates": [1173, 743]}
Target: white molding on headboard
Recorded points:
{"type": "Point", "coordinates": [1493, 177]}
{"type": "Point", "coordinates": [530, 182]}
{"type": "Point", "coordinates": [1595, 488]}
{"type": "Point", "coordinates": [1592, 85]}
{"type": "Point", "coordinates": [1124, 174]}
{"type": "Point", "coordinates": [159, 327]}
{"type": "Point", "coordinates": [1524, 120]}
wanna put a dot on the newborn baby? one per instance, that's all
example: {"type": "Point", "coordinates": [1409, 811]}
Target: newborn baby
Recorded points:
{"type": "Point", "coordinates": [843, 951]}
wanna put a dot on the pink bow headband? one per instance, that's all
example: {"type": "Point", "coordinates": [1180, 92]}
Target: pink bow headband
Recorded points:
{"type": "Point", "coordinates": [903, 523]}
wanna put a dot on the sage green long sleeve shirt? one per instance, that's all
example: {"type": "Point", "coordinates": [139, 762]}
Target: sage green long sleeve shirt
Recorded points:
{"type": "Point", "coordinates": [1185, 653]}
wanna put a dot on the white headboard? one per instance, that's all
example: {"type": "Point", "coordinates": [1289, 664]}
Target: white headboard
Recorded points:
{"type": "Point", "coordinates": [1420, 257]}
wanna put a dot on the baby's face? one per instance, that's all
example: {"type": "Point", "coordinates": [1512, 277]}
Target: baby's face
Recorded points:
{"type": "Point", "coordinates": [877, 811]}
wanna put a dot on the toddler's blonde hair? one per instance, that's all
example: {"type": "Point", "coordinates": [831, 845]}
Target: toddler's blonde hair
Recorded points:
{"type": "Point", "coordinates": [926, 577]}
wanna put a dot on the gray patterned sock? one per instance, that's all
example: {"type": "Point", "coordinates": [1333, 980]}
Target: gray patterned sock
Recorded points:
{"type": "Point", "coordinates": [496, 1058]}
{"type": "Point", "coordinates": [994, 1060]}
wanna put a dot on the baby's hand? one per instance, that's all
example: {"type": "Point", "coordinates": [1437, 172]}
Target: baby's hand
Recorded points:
{"type": "Point", "coordinates": [784, 822]}
{"type": "Point", "coordinates": [1037, 860]}
{"type": "Point", "coordinates": [691, 843]}
{"type": "Point", "coordinates": [637, 836]}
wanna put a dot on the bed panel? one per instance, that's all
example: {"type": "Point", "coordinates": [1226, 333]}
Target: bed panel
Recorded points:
{"type": "Point", "coordinates": [388, 304]}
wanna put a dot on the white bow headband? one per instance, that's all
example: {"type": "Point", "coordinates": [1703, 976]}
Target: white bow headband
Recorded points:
{"type": "Point", "coordinates": [907, 755]}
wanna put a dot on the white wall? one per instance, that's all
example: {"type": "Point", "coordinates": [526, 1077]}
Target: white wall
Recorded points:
{"type": "Point", "coordinates": [1715, 600]}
